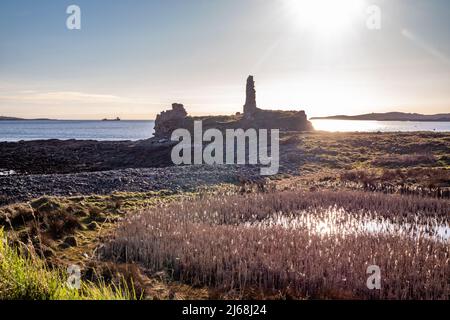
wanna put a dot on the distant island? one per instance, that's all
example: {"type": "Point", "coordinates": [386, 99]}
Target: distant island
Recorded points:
{"type": "Point", "coordinates": [2, 118]}
{"type": "Point", "coordinates": [391, 116]}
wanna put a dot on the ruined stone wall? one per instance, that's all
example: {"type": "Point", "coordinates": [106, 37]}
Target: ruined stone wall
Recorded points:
{"type": "Point", "coordinates": [168, 121]}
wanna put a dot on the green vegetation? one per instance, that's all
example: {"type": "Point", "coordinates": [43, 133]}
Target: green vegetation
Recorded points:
{"type": "Point", "coordinates": [41, 238]}
{"type": "Point", "coordinates": [23, 275]}
{"type": "Point", "coordinates": [374, 150]}
{"type": "Point", "coordinates": [69, 229]}
{"type": "Point", "coordinates": [407, 162]}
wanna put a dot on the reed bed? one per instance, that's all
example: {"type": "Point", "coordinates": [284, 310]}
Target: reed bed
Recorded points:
{"type": "Point", "coordinates": [295, 244]}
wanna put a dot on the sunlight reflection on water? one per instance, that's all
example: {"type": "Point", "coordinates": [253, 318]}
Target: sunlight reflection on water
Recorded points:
{"type": "Point", "coordinates": [382, 126]}
{"type": "Point", "coordinates": [337, 221]}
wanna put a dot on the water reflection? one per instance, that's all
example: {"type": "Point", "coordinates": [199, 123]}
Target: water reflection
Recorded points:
{"type": "Point", "coordinates": [374, 126]}
{"type": "Point", "coordinates": [335, 221]}
{"type": "Point", "coordinates": [4, 172]}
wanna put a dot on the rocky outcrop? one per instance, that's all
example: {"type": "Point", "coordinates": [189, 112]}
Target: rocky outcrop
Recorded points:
{"type": "Point", "coordinates": [168, 121]}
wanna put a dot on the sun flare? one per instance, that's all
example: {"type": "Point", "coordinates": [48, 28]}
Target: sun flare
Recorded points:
{"type": "Point", "coordinates": [326, 17]}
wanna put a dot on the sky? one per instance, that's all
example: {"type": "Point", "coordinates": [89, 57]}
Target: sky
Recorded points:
{"type": "Point", "coordinates": [134, 58]}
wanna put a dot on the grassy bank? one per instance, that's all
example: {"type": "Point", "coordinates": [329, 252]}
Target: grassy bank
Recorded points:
{"type": "Point", "coordinates": [42, 238]}
{"type": "Point", "coordinates": [25, 276]}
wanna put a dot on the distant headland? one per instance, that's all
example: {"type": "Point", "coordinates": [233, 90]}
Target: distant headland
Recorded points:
{"type": "Point", "coordinates": [391, 116]}
{"type": "Point", "coordinates": [2, 118]}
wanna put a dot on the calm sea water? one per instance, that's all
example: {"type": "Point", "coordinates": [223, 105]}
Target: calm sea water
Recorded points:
{"type": "Point", "coordinates": [137, 130]}
{"type": "Point", "coordinates": [82, 130]}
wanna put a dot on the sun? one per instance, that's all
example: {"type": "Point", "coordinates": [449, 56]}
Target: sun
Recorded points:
{"type": "Point", "coordinates": [325, 17]}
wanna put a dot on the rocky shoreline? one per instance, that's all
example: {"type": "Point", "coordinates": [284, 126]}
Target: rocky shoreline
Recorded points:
{"type": "Point", "coordinates": [18, 188]}
{"type": "Point", "coordinates": [32, 169]}
{"type": "Point", "coordinates": [74, 167]}
{"type": "Point", "coordinates": [74, 156]}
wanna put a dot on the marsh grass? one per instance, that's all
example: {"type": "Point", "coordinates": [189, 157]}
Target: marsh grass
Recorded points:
{"type": "Point", "coordinates": [430, 182]}
{"type": "Point", "coordinates": [294, 244]}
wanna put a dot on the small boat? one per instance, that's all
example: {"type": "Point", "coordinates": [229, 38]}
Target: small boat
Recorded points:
{"type": "Point", "coordinates": [116, 119]}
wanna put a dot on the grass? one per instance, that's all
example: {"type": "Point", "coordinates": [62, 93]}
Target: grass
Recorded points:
{"type": "Point", "coordinates": [431, 182]}
{"type": "Point", "coordinates": [372, 150]}
{"type": "Point", "coordinates": [25, 276]}
{"type": "Point", "coordinates": [404, 160]}
{"type": "Point", "coordinates": [32, 256]}
{"type": "Point", "coordinates": [294, 244]}
{"type": "Point", "coordinates": [45, 224]}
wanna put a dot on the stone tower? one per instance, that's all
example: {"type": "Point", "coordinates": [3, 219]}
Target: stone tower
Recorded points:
{"type": "Point", "coordinates": [250, 101]}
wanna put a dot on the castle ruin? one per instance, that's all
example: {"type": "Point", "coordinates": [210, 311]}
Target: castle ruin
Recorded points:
{"type": "Point", "coordinates": [253, 117]}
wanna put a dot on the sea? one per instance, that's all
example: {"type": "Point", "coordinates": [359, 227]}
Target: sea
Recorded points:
{"type": "Point", "coordinates": [18, 130]}
{"type": "Point", "coordinates": [143, 129]}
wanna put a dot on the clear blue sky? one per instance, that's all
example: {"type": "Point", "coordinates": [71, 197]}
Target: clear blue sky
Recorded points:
{"type": "Point", "coordinates": [134, 58]}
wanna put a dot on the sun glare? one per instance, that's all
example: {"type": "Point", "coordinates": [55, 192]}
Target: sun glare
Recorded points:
{"type": "Point", "coordinates": [325, 17]}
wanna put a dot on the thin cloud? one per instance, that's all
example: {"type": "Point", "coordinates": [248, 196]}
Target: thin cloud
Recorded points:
{"type": "Point", "coordinates": [62, 97]}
